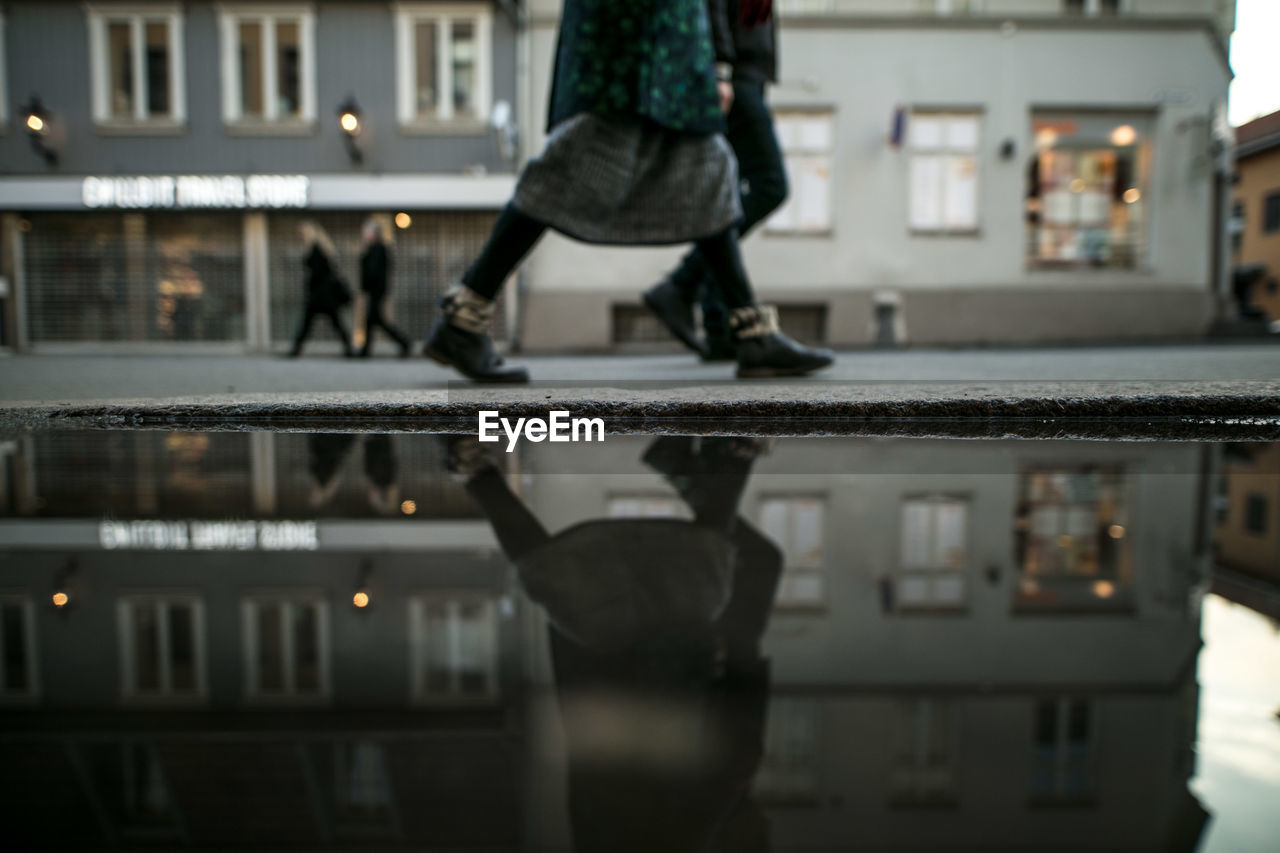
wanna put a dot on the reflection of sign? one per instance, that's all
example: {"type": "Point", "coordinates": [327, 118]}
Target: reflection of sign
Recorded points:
{"type": "Point", "coordinates": [197, 191]}
{"type": "Point", "coordinates": [208, 535]}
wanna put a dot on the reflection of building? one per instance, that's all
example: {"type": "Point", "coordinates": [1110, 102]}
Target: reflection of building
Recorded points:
{"type": "Point", "coordinates": [192, 138]}
{"type": "Point", "coordinates": [1053, 177]}
{"type": "Point", "coordinates": [1256, 220]}
{"type": "Point", "coordinates": [977, 647]}
{"type": "Point", "coordinates": [1248, 534]}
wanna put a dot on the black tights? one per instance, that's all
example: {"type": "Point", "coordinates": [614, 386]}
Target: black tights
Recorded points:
{"type": "Point", "coordinates": [516, 233]}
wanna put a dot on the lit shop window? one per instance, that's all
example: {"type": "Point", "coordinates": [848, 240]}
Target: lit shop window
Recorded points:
{"type": "Point", "coordinates": [1071, 534]}
{"type": "Point", "coordinates": [796, 524]}
{"type": "Point", "coordinates": [1062, 751]}
{"type": "Point", "coordinates": [454, 648]}
{"type": "Point", "coordinates": [1087, 190]}
{"type": "Point", "coordinates": [268, 64]}
{"type": "Point", "coordinates": [646, 506]}
{"type": "Point", "coordinates": [806, 139]}
{"type": "Point", "coordinates": [286, 647]}
{"type": "Point", "coordinates": [789, 768]}
{"type": "Point", "coordinates": [924, 764]}
{"type": "Point", "coordinates": [443, 62]}
{"type": "Point", "coordinates": [944, 171]}
{"type": "Point", "coordinates": [17, 648]}
{"type": "Point", "coordinates": [934, 553]}
{"type": "Point", "coordinates": [136, 65]}
{"type": "Point", "coordinates": [162, 647]}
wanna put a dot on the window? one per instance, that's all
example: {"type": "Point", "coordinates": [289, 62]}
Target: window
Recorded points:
{"type": "Point", "coordinates": [924, 771]}
{"type": "Point", "coordinates": [1271, 214]}
{"type": "Point", "coordinates": [806, 139]}
{"type": "Point", "coordinates": [4, 80]}
{"type": "Point", "coordinates": [130, 782]}
{"type": "Point", "coordinates": [1062, 751]}
{"type": "Point", "coordinates": [944, 171]}
{"type": "Point", "coordinates": [362, 786]}
{"type": "Point", "coordinates": [1236, 225]}
{"type": "Point", "coordinates": [268, 65]}
{"type": "Point", "coordinates": [789, 768]}
{"type": "Point", "coordinates": [162, 647]}
{"type": "Point", "coordinates": [1087, 190]}
{"type": "Point", "coordinates": [950, 7]}
{"type": "Point", "coordinates": [1092, 8]}
{"type": "Point", "coordinates": [1071, 532]}
{"type": "Point", "coordinates": [443, 63]}
{"type": "Point", "coordinates": [17, 648]}
{"type": "Point", "coordinates": [454, 647]}
{"type": "Point", "coordinates": [1255, 514]}
{"type": "Point", "coordinates": [934, 552]}
{"type": "Point", "coordinates": [795, 523]}
{"type": "Point", "coordinates": [136, 65]}
{"type": "Point", "coordinates": [646, 506]}
{"type": "Point", "coordinates": [286, 646]}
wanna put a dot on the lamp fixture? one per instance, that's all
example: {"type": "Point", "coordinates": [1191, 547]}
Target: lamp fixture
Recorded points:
{"type": "Point", "coordinates": [37, 119]}
{"type": "Point", "coordinates": [349, 122]}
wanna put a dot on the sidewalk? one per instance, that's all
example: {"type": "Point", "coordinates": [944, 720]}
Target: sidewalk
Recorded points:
{"type": "Point", "coordinates": [1220, 381]}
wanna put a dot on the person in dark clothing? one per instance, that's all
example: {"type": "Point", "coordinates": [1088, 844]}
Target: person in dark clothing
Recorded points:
{"type": "Point", "coordinates": [655, 629]}
{"type": "Point", "coordinates": [325, 293]}
{"type": "Point", "coordinates": [635, 156]}
{"type": "Point", "coordinates": [375, 273]}
{"type": "Point", "coordinates": [746, 59]}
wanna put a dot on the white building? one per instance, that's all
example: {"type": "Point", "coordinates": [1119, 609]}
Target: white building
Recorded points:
{"type": "Point", "coordinates": [1057, 177]}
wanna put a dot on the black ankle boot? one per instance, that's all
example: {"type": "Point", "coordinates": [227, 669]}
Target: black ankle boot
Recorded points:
{"type": "Point", "coordinates": [763, 350]}
{"type": "Point", "coordinates": [666, 301]}
{"type": "Point", "coordinates": [458, 339]}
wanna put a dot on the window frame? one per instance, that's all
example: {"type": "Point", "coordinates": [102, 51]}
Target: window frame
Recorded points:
{"type": "Point", "coordinates": [791, 570]}
{"type": "Point", "coordinates": [129, 691]}
{"type": "Point", "coordinates": [1270, 219]}
{"type": "Point", "coordinates": [1058, 760]}
{"type": "Point", "coordinates": [230, 16]}
{"type": "Point", "coordinates": [933, 572]}
{"type": "Point", "coordinates": [98, 17]}
{"type": "Point", "coordinates": [772, 227]}
{"type": "Point", "coordinates": [407, 16]}
{"type": "Point", "coordinates": [947, 154]}
{"type": "Point", "coordinates": [251, 643]}
{"type": "Point", "coordinates": [32, 691]}
{"type": "Point", "coordinates": [419, 690]}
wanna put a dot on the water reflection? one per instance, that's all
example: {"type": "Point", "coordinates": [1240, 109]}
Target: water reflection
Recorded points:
{"type": "Point", "coordinates": [672, 643]}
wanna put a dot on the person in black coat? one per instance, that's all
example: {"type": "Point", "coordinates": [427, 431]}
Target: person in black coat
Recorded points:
{"type": "Point", "coordinates": [326, 293]}
{"type": "Point", "coordinates": [375, 273]}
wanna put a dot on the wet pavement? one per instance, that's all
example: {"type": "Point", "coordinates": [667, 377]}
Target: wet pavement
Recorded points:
{"type": "Point", "coordinates": [358, 639]}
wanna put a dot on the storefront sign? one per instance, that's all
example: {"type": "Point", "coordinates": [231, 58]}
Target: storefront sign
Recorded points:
{"type": "Point", "coordinates": [208, 535]}
{"type": "Point", "coordinates": [186, 192]}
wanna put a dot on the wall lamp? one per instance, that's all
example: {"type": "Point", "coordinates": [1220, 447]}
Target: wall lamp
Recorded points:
{"type": "Point", "coordinates": [363, 595]}
{"type": "Point", "coordinates": [349, 122]}
{"type": "Point", "coordinates": [37, 119]}
{"type": "Point", "coordinates": [63, 586]}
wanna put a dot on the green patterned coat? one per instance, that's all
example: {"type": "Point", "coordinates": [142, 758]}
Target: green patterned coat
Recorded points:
{"type": "Point", "coordinates": [647, 58]}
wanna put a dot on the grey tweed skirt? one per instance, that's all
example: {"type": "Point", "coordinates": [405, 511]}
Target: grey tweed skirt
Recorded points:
{"type": "Point", "coordinates": [626, 181]}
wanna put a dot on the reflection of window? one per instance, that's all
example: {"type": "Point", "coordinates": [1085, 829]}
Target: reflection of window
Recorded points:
{"type": "Point", "coordinates": [135, 65]}
{"type": "Point", "coordinates": [443, 64]}
{"type": "Point", "coordinates": [286, 646]}
{"type": "Point", "coordinates": [162, 646]}
{"type": "Point", "coordinates": [1062, 751]}
{"type": "Point", "coordinates": [1271, 213]}
{"type": "Point", "coordinates": [1071, 529]}
{"type": "Point", "coordinates": [924, 771]}
{"type": "Point", "coordinates": [1091, 7]}
{"type": "Point", "coordinates": [268, 64]}
{"type": "Point", "coordinates": [131, 783]}
{"type": "Point", "coordinates": [1087, 189]}
{"type": "Point", "coordinates": [646, 506]}
{"type": "Point", "coordinates": [944, 171]}
{"type": "Point", "coordinates": [934, 552]}
{"type": "Point", "coordinates": [950, 7]}
{"type": "Point", "coordinates": [362, 787]}
{"type": "Point", "coordinates": [454, 647]}
{"type": "Point", "coordinates": [789, 769]}
{"type": "Point", "coordinates": [806, 139]}
{"type": "Point", "coordinates": [796, 524]}
{"type": "Point", "coordinates": [1255, 514]}
{"type": "Point", "coordinates": [17, 648]}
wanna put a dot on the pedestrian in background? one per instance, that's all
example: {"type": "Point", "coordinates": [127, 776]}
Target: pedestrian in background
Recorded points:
{"type": "Point", "coordinates": [745, 42]}
{"type": "Point", "coordinates": [375, 273]}
{"type": "Point", "coordinates": [326, 292]}
{"type": "Point", "coordinates": [635, 156]}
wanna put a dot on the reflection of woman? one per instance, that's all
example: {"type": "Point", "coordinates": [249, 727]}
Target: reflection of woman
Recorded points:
{"type": "Point", "coordinates": [325, 292]}
{"type": "Point", "coordinates": [655, 628]}
{"type": "Point", "coordinates": [634, 157]}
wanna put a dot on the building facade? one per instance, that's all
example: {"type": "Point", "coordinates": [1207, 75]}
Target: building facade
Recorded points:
{"type": "Point", "coordinates": [1256, 208]}
{"type": "Point", "coordinates": [157, 158]}
{"type": "Point", "coordinates": [1058, 174]}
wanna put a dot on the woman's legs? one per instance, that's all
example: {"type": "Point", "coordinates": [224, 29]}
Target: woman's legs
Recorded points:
{"type": "Point", "coordinates": [512, 237]}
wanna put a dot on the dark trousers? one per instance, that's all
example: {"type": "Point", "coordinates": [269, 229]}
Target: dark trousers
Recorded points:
{"type": "Point", "coordinates": [375, 318]}
{"type": "Point", "coordinates": [312, 311]}
{"type": "Point", "coordinates": [763, 178]}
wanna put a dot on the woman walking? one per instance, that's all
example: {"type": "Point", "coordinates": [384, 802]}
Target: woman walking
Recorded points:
{"type": "Point", "coordinates": [635, 156]}
{"type": "Point", "coordinates": [326, 293]}
{"type": "Point", "coordinates": [375, 273]}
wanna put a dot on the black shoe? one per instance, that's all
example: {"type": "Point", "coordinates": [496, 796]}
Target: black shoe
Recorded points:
{"type": "Point", "coordinates": [720, 348]}
{"type": "Point", "coordinates": [470, 353]}
{"type": "Point", "coordinates": [676, 313]}
{"type": "Point", "coordinates": [763, 350]}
